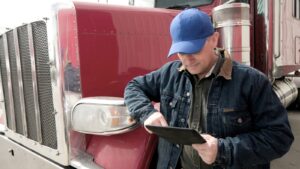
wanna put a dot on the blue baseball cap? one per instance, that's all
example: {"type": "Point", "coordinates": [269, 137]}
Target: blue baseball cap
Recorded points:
{"type": "Point", "coordinates": [189, 31]}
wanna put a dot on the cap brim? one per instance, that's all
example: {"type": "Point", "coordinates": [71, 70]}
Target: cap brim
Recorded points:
{"type": "Point", "coordinates": [187, 47]}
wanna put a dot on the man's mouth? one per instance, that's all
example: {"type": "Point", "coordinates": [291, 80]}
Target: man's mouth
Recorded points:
{"type": "Point", "coordinates": [192, 65]}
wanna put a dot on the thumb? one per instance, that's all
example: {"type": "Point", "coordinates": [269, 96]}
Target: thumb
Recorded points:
{"type": "Point", "coordinates": [163, 122]}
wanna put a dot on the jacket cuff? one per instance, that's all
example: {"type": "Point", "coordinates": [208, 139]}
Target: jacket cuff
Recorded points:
{"type": "Point", "coordinates": [224, 153]}
{"type": "Point", "coordinates": [144, 116]}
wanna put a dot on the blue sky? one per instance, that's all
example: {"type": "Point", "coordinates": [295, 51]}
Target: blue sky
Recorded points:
{"type": "Point", "coordinates": [15, 12]}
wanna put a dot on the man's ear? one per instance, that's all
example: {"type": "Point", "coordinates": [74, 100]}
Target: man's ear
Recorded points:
{"type": "Point", "coordinates": [215, 38]}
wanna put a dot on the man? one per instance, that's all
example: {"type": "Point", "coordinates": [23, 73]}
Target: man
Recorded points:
{"type": "Point", "coordinates": [245, 124]}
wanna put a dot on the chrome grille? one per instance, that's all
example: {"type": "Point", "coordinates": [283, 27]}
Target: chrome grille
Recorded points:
{"type": "Point", "coordinates": [34, 117]}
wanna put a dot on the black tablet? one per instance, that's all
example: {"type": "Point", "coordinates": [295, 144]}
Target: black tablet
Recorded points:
{"type": "Point", "coordinates": [177, 135]}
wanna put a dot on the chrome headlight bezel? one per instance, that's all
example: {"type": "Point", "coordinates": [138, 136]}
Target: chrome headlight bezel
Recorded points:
{"type": "Point", "coordinates": [101, 116]}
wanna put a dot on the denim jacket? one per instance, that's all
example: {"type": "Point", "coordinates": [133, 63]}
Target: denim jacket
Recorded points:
{"type": "Point", "coordinates": [244, 113]}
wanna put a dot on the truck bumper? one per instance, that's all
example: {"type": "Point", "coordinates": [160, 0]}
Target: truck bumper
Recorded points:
{"type": "Point", "coordinates": [15, 156]}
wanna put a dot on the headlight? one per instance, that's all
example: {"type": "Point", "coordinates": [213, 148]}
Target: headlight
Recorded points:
{"type": "Point", "coordinates": [101, 115]}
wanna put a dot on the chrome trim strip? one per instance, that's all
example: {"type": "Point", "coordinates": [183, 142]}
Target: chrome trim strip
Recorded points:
{"type": "Point", "coordinates": [20, 82]}
{"type": "Point", "coordinates": [113, 132]}
{"type": "Point", "coordinates": [34, 85]}
{"type": "Point", "coordinates": [10, 94]}
{"type": "Point", "coordinates": [276, 30]}
{"type": "Point", "coordinates": [32, 144]}
{"type": "Point", "coordinates": [84, 160]}
{"type": "Point", "coordinates": [55, 73]}
{"type": "Point", "coordinates": [115, 101]}
{"type": "Point", "coordinates": [63, 100]}
{"type": "Point", "coordinates": [2, 106]}
{"type": "Point", "coordinates": [232, 23]}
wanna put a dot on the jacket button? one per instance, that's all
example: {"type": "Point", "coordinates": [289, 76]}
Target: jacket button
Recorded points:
{"type": "Point", "coordinates": [182, 120]}
{"type": "Point", "coordinates": [170, 167]}
{"type": "Point", "coordinates": [194, 126]}
{"type": "Point", "coordinates": [177, 145]}
{"type": "Point", "coordinates": [188, 94]}
{"type": "Point", "coordinates": [170, 103]}
{"type": "Point", "coordinates": [240, 120]}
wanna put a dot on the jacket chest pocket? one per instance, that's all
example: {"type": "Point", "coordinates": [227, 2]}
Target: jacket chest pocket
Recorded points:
{"type": "Point", "coordinates": [236, 121]}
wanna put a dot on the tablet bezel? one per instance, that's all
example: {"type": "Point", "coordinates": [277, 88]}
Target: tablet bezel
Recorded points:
{"type": "Point", "coordinates": [177, 135]}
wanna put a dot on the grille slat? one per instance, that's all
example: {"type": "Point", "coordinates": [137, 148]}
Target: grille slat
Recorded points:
{"type": "Point", "coordinates": [30, 103]}
{"type": "Point", "coordinates": [21, 99]}
{"type": "Point", "coordinates": [21, 116]}
{"type": "Point", "coordinates": [14, 80]}
{"type": "Point", "coordinates": [4, 82]}
{"type": "Point", "coordinates": [49, 136]}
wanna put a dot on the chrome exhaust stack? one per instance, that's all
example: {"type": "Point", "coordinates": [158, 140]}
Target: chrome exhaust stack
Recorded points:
{"type": "Point", "coordinates": [232, 21]}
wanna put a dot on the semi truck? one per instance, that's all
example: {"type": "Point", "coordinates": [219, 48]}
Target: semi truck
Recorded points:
{"type": "Point", "coordinates": [63, 76]}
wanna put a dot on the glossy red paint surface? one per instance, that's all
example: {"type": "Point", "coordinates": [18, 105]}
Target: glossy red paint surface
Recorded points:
{"type": "Point", "coordinates": [263, 55]}
{"type": "Point", "coordinates": [116, 44]}
{"type": "Point", "coordinates": [68, 37]}
{"type": "Point", "coordinates": [131, 150]}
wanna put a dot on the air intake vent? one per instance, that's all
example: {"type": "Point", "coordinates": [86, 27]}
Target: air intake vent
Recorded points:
{"type": "Point", "coordinates": [26, 81]}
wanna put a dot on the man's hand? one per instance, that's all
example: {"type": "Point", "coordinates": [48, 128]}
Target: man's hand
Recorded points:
{"type": "Point", "coordinates": [156, 119]}
{"type": "Point", "coordinates": [207, 151]}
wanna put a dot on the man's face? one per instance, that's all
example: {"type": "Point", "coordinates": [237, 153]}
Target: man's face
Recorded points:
{"type": "Point", "coordinates": [200, 63]}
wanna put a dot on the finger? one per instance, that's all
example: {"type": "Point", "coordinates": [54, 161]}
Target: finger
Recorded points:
{"type": "Point", "coordinates": [163, 121]}
{"type": "Point", "coordinates": [206, 136]}
{"type": "Point", "coordinates": [195, 146]}
{"type": "Point", "coordinates": [153, 119]}
{"type": "Point", "coordinates": [198, 146]}
{"type": "Point", "coordinates": [149, 131]}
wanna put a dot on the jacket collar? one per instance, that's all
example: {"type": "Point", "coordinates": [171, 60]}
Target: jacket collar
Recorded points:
{"type": "Point", "coordinates": [226, 68]}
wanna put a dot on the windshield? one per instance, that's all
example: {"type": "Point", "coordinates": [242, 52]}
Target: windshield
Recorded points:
{"type": "Point", "coordinates": [179, 3]}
